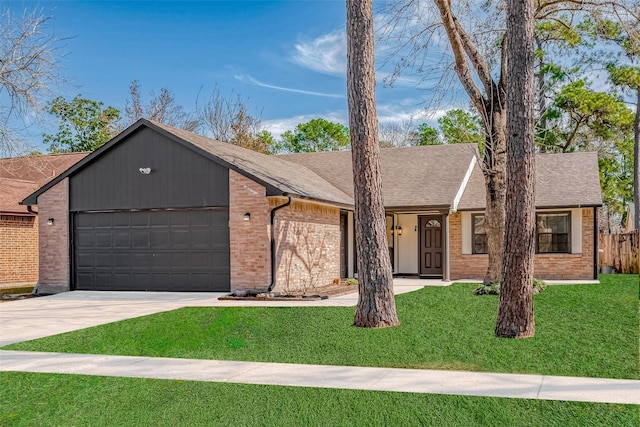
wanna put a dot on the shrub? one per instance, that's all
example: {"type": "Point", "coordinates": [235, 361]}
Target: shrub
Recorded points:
{"type": "Point", "coordinates": [539, 285]}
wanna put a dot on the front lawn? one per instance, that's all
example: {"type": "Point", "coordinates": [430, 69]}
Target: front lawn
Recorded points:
{"type": "Point", "coordinates": [64, 400]}
{"type": "Point", "coordinates": [581, 330]}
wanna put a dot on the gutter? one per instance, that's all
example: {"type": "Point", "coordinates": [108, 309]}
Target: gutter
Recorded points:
{"type": "Point", "coordinates": [273, 241]}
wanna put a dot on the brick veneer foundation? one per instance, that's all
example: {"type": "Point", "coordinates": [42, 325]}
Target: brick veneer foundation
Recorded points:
{"type": "Point", "coordinates": [546, 266]}
{"type": "Point", "coordinates": [18, 249]}
{"type": "Point", "coordinates": [54, 239]}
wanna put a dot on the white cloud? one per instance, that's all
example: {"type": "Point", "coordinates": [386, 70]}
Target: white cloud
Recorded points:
{"type": "Point", "coordinates": [251, 80]}
{"type": "Point", "coordinates": [326, 54]}
{"type": "Point", "coordinates": [387, 113]}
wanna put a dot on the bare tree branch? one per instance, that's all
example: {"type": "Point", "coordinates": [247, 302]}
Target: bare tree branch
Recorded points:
{"type": "Point", "coordinates": [29, 67]}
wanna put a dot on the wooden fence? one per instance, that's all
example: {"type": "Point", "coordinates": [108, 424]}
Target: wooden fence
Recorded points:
{"type": "Point", "coordinates": [620, 251]}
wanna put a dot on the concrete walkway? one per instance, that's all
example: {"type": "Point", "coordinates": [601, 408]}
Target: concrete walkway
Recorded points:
{"type": "Point", "coordinates": [344, 377]}
{"type": "Point", "coordinates": [39, 317]}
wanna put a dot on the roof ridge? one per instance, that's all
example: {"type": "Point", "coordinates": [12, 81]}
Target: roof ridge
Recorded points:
{"type": "Point", "coordinates": [278, 158]}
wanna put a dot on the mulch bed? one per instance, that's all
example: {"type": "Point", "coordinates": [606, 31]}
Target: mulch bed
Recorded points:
{"type": "Point", "coordinates": [317, 294]}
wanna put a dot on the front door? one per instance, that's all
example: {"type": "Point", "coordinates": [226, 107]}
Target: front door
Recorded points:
{"type": "Point", "coordinates": [431, 245]}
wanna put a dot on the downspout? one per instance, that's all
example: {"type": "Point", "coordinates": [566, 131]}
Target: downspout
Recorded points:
{"type": "Point", "coordinates": [273, 241]}
{"type": "Point", "coordinates": [30, 209]}
{"type": "Point", "coordinates": [596, 238]}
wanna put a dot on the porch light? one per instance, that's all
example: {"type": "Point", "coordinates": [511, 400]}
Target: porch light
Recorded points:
{"type": "Point", "coordinates": [397, 230]}
{"type": "Point", "coordinates": [247, 216]}
{"type": "Point", "coordinates": [50, 221]}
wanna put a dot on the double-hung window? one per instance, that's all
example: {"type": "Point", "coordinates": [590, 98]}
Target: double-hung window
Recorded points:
{"type": "Point", "coordinates": [479, 241]}
{"type": "Point", "coordinates": [553, 232]}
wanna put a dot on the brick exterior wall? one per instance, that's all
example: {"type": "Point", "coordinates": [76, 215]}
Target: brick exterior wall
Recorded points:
{"type": "Point", "coordinates": [546, 266]}
{"type": "Point", "coordinates": [570, 266]}
{"type": "Point", "coordinates": [308, 246]}
{"type": "Point", "coordinates": [18, 249]}
{"type": "Point", "coordinates": [249, 240]}
{"type": "Point", "coordinates": [307, 240]}
{"type": "Point", "coordinates": [54, 239]}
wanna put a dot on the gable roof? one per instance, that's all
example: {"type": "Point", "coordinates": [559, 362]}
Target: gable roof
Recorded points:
{"type": "Point", "coordinates": [412, 177]}
{"type": "Point", "coordinates": [276, 174]}
{"type": "Point", "coordinates": [20, 176]}
{"type": "Point", "coordinates": [14, 190]}
{"type": "Point", "coordinates": [562, 180]}
{"type": "Point", "coordinates": [38, 168]}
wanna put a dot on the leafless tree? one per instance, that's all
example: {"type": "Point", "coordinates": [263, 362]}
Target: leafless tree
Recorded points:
{"type": "Point", "coordinates": [29, 68]}
{"type": "Point", "coordinates": [228, 119]}
{"type": "Point", "coordinates": [398, 134]}
{"type": "Point", "coordinates": [463, 41]}
{"type": "Point", "coordinates": [161, 108]}
{"type": "Point", "coordinates": [376, 306]}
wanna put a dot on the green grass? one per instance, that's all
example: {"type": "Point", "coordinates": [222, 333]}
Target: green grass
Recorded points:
{"type": "Point", "coordinates": [64, 400]}
{"type": "Point", "coordinates": [581, 330]}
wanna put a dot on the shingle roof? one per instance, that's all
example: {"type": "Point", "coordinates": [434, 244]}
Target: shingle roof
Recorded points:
{"type": "Point", "coordinates": [20, 176]}
{"type": "Point", "coordinates": [283, 175]}
{"type": "Point", "coordinates": [411, 176]}
{"type": "Point", "coordinates": [278, 175]}
{"type": "Point", "coordinates": [39, 168]}
{"type": "Point", "coordinates": [562, 180]}
{"type": "Point", "coordinates": [14, 190]}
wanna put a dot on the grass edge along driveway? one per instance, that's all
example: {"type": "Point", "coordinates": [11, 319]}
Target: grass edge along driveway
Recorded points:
{"type": "Point", "coordinates": [581, 330]}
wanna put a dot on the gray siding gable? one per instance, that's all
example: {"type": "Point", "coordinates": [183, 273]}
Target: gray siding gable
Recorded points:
{"type": "Point", "coordinates": [179, 177]}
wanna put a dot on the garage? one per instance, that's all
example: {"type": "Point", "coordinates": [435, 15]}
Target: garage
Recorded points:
{"type": "Point", "coordinates": [149, 214]}
{"type": "Point", "coordinates": [152, 250]}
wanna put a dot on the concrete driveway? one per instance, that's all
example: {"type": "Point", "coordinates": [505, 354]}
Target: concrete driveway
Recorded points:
{"type": "Point", "coordinates": [69, 311]}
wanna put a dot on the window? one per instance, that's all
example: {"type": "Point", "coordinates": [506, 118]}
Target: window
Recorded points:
{"type": "Point", "coordinates": [553, 232]}
{"type": "Point", "coordinates": [479, 235]}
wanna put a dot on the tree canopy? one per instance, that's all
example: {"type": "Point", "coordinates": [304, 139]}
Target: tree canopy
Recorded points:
{"type": "Point", "coordinates": [315, 135]}
{"type": "Point", "coordinates": [84, 124]}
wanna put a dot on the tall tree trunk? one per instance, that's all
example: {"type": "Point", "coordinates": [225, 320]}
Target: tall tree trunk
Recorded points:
{"type": "Point", "coordinates": [376, 305]}
{"type": "Point", "coordinates": [515, 312]}
{"type": "Point", "coordinates": [494, 170]}
{"type": "Point", "coordinates": [636, 165]}
{"type": "Point", "coordinates": [491, 107]}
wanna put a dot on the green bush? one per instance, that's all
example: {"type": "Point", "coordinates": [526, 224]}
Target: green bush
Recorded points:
{"type": "Point", "coordinates": [539, 285]}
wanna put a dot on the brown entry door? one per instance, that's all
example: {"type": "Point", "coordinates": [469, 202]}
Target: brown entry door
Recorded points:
{"type": "Point", "coordinates": [431, 245]}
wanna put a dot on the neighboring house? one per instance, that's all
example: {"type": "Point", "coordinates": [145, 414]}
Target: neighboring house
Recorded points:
{"type": "Point", "coordinates": [19, 177]}
{"type": "Point", "coordinates": [163, 209]}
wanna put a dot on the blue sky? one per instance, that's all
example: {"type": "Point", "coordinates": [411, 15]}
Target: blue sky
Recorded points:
{"type": "Point", "coordinates": [286, 58]}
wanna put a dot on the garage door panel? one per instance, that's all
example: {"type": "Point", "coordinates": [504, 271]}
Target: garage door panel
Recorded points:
{"type": "Point", "coordinates": [180, 239]}
{"type": "Point", "coordinates": [120, 220]}
{"type": "Point", "coordinates": [103, 261]}
{"type": "Point", "coordinates": [102, 220]}
{"type": "Point", "coordinates": [102, 240]}
{"type": "Point", "coordinates": [160, 239]}
{"type": "Point", "coordinates": [121, 261]}
{"type": "Point", "coordinates": [141, 261]}
{"type": "Point", "coordinates": [152, 250]}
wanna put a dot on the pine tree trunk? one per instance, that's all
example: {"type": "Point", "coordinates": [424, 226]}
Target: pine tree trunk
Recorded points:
{"type": "Point", "coordinates": [376, 305]}
{"type": "Point", "coordinates": [515, 312]}
{"type": "Point", "coordinates": [636, 165]}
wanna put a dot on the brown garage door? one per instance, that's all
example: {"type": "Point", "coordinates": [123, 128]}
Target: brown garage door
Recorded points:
{"type": "Point", "coordinates": [159, 250]}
